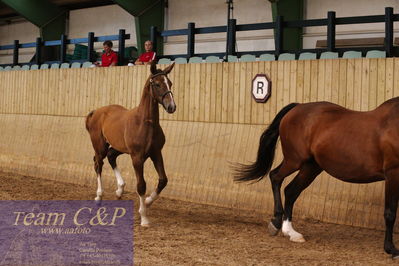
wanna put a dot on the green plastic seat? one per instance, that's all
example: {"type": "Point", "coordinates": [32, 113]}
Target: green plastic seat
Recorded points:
{"type": "Point", "coordinates": [286, 56]}
{"type": "Point", "coordinates": [87, 64]}
{"type": "Point", "coordinates": [16, 68]}
{"type": "Point", "coordinates": [55, 66]}
{"type": "Point", "coordinates": [212, 59]}
{"type": "Point", "coordinates": [1, 68]}
{"type": "Point", "coordinates": [195, 59]}
{"type": "Point", "coordinates": [307, 56]}
{"type": "Point", "coordinates": [44, 66]}
{"type": "Point", "coordinates": [181, 60]}
{"type": "Point", "coordinates": [329, 55]}
{"type": "Point", "coordinates": [76, 65]}
{"type": "Point", "coordinates": [25, 67]}
{"type": "Point", "coordinates": [164, 61]}
{"type": "Point", "coordinates": [352, 54]}
{"type": "Point", "coordinates": [267, 57]}
{"type": "Point", "coordinates": [376, 54]}
{"type": "Point", "coordinates": [64, 65]}
{"type": "Point", "coordinates": [7, 68]}
{"type": "Point", "coordinates": [247, 58]}
{"type": "Point", "coordinates": [232, 58]}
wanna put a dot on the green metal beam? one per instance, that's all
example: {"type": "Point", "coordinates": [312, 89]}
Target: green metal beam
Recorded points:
{"type": "Point", "coordinates": [290, 10]}
{"type": "Point", "coordinates": [147, 13]}
{"type": "Point", "coordinates": [50, 18]}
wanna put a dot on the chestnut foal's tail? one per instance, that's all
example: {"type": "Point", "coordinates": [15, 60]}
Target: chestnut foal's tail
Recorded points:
{"type": "Point", "coordinates": [88, 119]}
{"type": "Point", "coordinates": [267, 146]}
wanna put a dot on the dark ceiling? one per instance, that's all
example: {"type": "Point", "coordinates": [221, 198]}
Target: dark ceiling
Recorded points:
{"type": "Point", "coordinates": [8, 13]}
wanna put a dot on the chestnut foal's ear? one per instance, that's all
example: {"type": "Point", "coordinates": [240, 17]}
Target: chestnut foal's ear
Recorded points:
{"type": "Point", "coordinates": [169, 68]}
{"type": "Point", "coordinates": [153, 67]}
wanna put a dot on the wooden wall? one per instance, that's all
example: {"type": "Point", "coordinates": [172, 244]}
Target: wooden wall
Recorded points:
{"type": "Point", "coordinates": [216, 123]}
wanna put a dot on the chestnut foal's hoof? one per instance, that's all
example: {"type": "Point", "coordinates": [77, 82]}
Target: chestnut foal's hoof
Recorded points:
{"type": "Point", "coordinates": [272, 229]}
{"type": "Point", "coordinates": [98, 201]}
{"type": "Point", "coordinates": [118, 194]}
{"type": "Point", "coordinates": [145, 225]}
{"type": "Point", "coordinates": [119, 191]}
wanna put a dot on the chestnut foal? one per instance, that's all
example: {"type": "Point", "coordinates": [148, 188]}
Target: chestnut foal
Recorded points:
{"type": "Point", "coordinates": [115, 130]}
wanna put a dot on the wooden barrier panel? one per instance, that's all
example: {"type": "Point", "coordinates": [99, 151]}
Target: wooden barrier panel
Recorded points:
{"type": "Point", "coordinates": [217, 122]}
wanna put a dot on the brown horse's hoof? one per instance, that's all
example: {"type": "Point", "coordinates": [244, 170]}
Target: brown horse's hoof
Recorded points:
{"type": "Point", "coordinates": [272, 229]}
{"type": "Point", "coordinates": [395, 257]}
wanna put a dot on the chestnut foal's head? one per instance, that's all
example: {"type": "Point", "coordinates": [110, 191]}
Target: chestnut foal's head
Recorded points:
{"type": "Point", "coordinates": [160, 87]}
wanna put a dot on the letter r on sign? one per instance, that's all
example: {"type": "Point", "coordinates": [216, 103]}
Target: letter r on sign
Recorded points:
{"type": "Point", "coordinates": [259, 86]}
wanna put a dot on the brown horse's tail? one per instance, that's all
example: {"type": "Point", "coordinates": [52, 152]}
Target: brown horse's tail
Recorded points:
{"type": "Point", "coordinates": [267, 146]}
{"type": "Point", "coordinates": [88, 119]}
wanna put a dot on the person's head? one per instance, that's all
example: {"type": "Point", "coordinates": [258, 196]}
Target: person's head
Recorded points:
{"type": "Point", "coordinates": [148, 46]}
{"type": "Point", "coordinates": [107, 45]}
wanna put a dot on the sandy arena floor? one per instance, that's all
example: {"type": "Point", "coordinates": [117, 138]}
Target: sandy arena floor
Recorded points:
{"type": "Point", "coordinates": [193, 234]}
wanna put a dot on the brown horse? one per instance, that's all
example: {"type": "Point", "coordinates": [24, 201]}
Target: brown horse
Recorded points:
{"type": "Point", "coordinates": [114, 130]}
{"type": "Point", "coordinates": [356, 147]}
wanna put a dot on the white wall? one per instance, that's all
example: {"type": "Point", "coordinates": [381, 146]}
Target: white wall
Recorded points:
{"type": "Point", "coordinates": [347, 8]}
{"type": "Point", "coordinates": [20, 30]}
{"type": "Point", "coordinates": [207, 13]}
{"type": "Point", "coordinates": [105, 20]}
{"type": "Point", "coordinates": [81, 22]}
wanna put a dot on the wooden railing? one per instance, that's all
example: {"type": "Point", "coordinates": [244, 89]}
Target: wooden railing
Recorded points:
{"type": "Point", "coordinates": [278, 26]}
{"type": "Point", "coordinates": [63, 42]}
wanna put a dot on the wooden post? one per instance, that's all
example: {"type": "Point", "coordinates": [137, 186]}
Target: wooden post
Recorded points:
{"type": "Point", "coordinates": [38, 50]}
{"type": "Point", "coordinates": [389, 31]}
{"type": "Point", "coordinates": [153, 38]}
{"type": "Point", "coordinates": [190, 40]}
{"type": "Point", "coordinates": [278, 42]}
{"type": "Point", "coordinates": [231, 37]}
{"type": "Point", "coordinates": [331, 31]}
{"type": "Point", "coordinates": [16, 53]}
{"type": "Point", "coordinates": [63, 48]}
{"type": "Point", "coordinates": [121, 53]}
{"type": "Point", "coordinates": [90, 47]}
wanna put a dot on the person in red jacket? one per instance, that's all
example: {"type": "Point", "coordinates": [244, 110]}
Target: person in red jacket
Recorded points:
{"type": "Point", "coordinates": [147, 57]}
{"type": "Point", "coordinates": [109, 57]}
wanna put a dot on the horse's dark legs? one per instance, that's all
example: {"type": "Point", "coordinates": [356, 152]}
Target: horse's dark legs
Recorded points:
{"type": "Point", "coordinates": [303, 179]}
{"type": "Point", "coordinates": [112, 155]}
{"type": "Point", "coordinates": [278, 206]}
{"type": "Point", "coordinates": [157, 159]}
{"type": "Point", "coordinates": [138, 164]}
{"type": "Point", "coordinates": [391, 206]}
{"type": "Point", "coordinates": [277, 176]}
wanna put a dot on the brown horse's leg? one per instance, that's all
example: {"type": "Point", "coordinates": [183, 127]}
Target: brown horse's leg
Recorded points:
{"type": "Point", "coordinates": [303, 179]}
{"type": "Point", "coordinates": [100, 148]}
{"type": "Point", "coordinates": [112, 155]}
{"type": "Point", "coordinates": [277, 176]}
{"type": "Point", "coordinates": [138, 164]}
{"type": "Point", "coordinates": [163, 180]}
{"type": "Point", "coordinates": [391, 206]}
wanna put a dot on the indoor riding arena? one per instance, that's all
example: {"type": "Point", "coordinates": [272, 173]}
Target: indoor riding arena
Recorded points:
{"type": "Point", "coordinates": [202, 217]}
